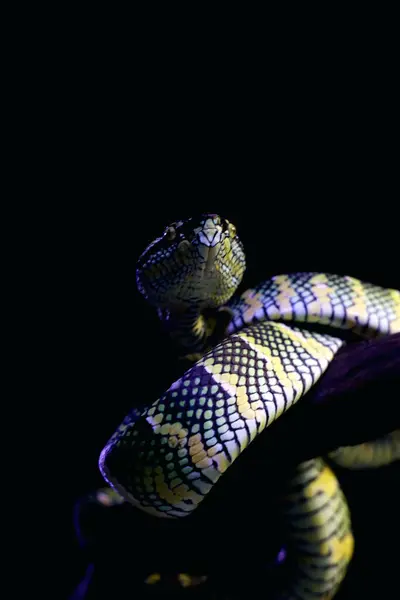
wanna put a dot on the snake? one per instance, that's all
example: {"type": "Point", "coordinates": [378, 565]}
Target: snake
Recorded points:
{"type": "Point", "coordinates": [253, 356]}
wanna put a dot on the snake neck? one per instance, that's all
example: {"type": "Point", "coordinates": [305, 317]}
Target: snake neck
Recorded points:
{"type": "Point", "coordinates": [196, 330]}
{"type": "Point", "coordinates": [190, 330]}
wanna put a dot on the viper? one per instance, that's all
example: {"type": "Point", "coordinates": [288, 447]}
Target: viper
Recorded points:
{"type": "Point", "coordinates": [254, 356]}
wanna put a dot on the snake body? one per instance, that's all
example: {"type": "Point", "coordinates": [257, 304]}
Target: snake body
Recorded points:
{"type": "Point", "coordinates": [166, 458]}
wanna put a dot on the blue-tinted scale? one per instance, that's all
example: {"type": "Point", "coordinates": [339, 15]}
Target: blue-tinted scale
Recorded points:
{"type": "Point", "coordinates": [336, 301]}
{"type": "Point", "coordinates": [206, 378]}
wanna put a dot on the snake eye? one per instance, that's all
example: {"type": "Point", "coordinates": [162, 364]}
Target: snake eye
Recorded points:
{"type": "Point", "coordinates": [224, 225]}
{"type": "Point", "coordinates": [232, 229]}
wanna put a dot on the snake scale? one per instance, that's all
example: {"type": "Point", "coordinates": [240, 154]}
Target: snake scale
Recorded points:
{"type": "Point", "coordinates": [255, 356]}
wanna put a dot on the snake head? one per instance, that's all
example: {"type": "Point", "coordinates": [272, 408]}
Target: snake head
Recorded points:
{"type": "Point", "coordinates": [195, 262]}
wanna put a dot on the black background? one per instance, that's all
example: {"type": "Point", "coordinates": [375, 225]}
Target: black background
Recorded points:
{"type": "Point", "coordinates": [301, 157]}
{"type": "Point", "coordinates": [115, 355]}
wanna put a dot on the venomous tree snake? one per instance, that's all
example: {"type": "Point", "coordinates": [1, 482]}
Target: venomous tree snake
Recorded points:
{"type": "Point", "coordinates": [251, 366]}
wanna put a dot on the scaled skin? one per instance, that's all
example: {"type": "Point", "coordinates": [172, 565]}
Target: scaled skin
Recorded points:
{"type": "Point", "coordinates": [181, 445]}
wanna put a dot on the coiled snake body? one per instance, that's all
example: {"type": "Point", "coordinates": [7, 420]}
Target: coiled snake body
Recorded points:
{"type": "Point", "coordinates": [248, 372]}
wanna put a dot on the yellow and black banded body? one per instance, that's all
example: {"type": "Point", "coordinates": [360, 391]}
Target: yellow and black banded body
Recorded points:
{"type": "Point", "coordinates": [166, 458]}
{"type": "Point", "coordinates": [336, 301]}
{"type": "Point", "coordinates": [179, 447]}
{"type": "Point", "coordinates": [318, 531]}
{"type": "Point", "coordinates": [378, 453]}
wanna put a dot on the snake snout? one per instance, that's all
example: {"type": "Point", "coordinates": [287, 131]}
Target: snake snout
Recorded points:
{"type": "Point", "coordinates": [210, 233]}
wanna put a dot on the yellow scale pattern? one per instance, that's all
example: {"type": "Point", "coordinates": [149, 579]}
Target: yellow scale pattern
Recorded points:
{"type": "Point", "coordinates": [248, 381]}
{"type": "Point", "coordinates": [370, 455]}
{"type": "Point", "coordinates": [342, 302]}
{"type": "Point", "coordinates": [180, 446]}
{"type": "Point", "coordinates": [339, 301]}
{"type": "Point", "coordinates": [319, 529]}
